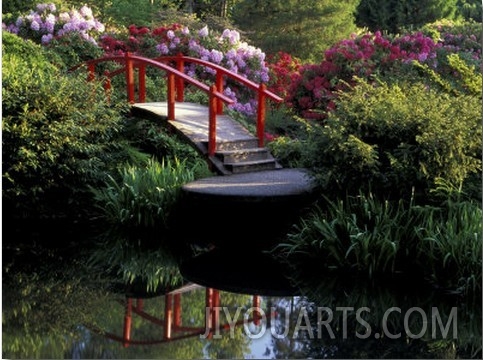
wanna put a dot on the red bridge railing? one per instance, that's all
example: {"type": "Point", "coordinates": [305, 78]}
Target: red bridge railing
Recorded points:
{"type": "Point", "coordinates": [176, 80]}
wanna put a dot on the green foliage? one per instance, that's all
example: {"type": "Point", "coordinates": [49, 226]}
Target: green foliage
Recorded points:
{"type": "Point", "coordinates": [374, 239]}
{"type": "Point", "coordinates": [393, 15]}
{"type": "Point", "coordinates": [153, 138]}
{"type": "Point", "coordinates": [281, 120]}
{"type": "Point", "coordinates": [360, 235]}
{"type": "Point", "coordinates": [17, 7]}
{"type": "Point", "coordinates": [54, 143]}
{"type": "Point", "coordinates": [27, 50]}
{"type": "Point", "coordinates": [464, 34]}
{"type": "Point", "coordinates": [288, 152]}
{"type": "Point", "coordinates": [301, 28]}
{"type": "Point", "coordinates": [451, 244]}
{"type": "Point", "coordinates": [464, 79]}
{"type": "Point", "coordinates": [470, 9]}
{"type": "Point", "coordinates": [73, 49]}
{"type": "Point", "coordinates": [286, 136]}
{"type": "Point", "coordinates": [392, 139]}
{"type": "Point", "coordinates": [143, 196]}
{"type": "Point", "coordinates": [136, 209]}
{"type": "Point", "coordinates": [122, 13]}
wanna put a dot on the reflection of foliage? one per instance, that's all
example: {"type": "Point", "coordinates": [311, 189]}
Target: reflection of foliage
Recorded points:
{"type": "Point", "coordinates": [42, 312]}
{"type": "Point", "coordinates": [145, 270]}
{"type": "Point", "coordinates": [337, 293]}
{"type": "Point", "coordinates": [230, 347]}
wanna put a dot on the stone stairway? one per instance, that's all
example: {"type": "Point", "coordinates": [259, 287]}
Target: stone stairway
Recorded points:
{"type": "Point", "coordinates": [237, 150]}
{"type": "Point", "coordinates": [235, 157]}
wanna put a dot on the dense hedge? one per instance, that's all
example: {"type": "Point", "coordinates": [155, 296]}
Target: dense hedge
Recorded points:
{"type": "Point", "coordinates": [58, 133]}
{"type": "Point", "coordinates": [398, 141]}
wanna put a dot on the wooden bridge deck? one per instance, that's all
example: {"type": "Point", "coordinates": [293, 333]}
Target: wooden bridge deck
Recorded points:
{"type": "Point", "coordinates": [192, 122]}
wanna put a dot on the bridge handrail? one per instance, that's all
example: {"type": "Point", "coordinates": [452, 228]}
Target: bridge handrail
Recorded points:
{"type": "Point", "coordinates": [117, 58]}
{"type": "Point", "coordinates": [222, 70]}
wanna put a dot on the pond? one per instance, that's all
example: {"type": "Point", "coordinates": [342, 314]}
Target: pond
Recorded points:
{"type": "Point", "coordinates": [55, 305]}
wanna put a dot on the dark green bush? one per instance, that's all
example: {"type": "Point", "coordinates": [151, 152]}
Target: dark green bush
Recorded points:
{"type": "Point", "coordinates": [72, 49]}
{"type": "Point", "coordinates": [153, 138]}
{"type": "Point", "coordinates": [364, 237]}
{"type": "Point", "coordinates": [394, 140]}
{"type": "Point", "coordinates": [58, 134]}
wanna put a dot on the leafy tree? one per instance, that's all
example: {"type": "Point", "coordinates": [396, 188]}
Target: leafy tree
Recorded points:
{"type": "Point", "coordinates": [393, 15]}
{"type": "Point", "coordinates": [302, 28]}
{"type": "Point", "coordinates": [470, 9]}
{"type": "Point", "coordinates": [221, 8]}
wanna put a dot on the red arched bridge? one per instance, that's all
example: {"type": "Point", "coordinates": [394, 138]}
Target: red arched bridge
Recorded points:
{"type": "Point", "coordinates": [229, 147]}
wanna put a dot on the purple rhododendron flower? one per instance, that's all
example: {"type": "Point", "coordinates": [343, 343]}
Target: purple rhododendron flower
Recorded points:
{"type": "Point", "coordinates": [203, 32]}
{"type": "Point", "coordinates": [47, 38]}
{"type": "Point", "coordinates": [34, 25]}
{"type": "Point", "coordinates": [162, 49]}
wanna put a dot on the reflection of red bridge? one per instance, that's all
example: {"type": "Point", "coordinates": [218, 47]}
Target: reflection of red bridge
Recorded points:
{"type": "Point", "coordinates": [171, 323]}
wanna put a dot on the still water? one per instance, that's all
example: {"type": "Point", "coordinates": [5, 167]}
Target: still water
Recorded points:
{"type": "Point", "coordinates": [62, 319]}
{"type": "Point", "coordinates": [58, 306]}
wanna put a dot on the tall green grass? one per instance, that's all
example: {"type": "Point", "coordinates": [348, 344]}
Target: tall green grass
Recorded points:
{"type": "Point", "coordinates": [368, 238]}
{"type": "Point", "coordinates": [450, 243]}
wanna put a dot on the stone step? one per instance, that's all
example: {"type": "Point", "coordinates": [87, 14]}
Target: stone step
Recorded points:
{"type": "Point", "coordinates": [251, 166]}
{"type": "Point", "coordinates": [253, 154]}
{"type": "Point", "coordinates": [236, 144]}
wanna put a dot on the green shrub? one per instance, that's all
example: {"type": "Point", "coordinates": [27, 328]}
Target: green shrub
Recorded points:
{"type": "Point", "coordinates": [396, 139]}
{"type": "Point", "coordinates": [153, 138]}
{"type": "Point", "coordinates": [72, 49]}
{"type": "Point", "coordinates": [288, 152]}
{"type": "Point", "coordinates": [363, 237]}
{"type": "Point", "coordinates": [360, 235]}
{"type": "Point", "coordinates": [142, 197]}
{"type": "Point", "coordinates": [451, 245]}
{"type": "Point", "coordinates": [58, 134]}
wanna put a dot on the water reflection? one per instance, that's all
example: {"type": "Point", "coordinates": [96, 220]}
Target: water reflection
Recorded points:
{"type": "Point", "coordinates": [396, 319]}
{"type": "Point", "coordinates": [324, 321]}
{"type": "Point", "coordinates": [199, 322]}
{"type": "Point", "coordinates": [65, 317]}
{"type": "Point", "coordinates": [189, 322]}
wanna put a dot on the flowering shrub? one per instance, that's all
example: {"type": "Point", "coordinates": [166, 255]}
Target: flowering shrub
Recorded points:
{"type": "Point", "coordinates": [315, 86]}
{"type": "Point", "coordinates": [46, 23]}
{"type": "Point", "coordinates": [48, 26]}
{"type": "Point", "coordinates": [225, 49]}
{"type": "Point", "coordinates": [282, 67]}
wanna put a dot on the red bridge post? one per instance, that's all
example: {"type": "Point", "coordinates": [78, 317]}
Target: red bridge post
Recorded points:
{"type": "Point", "coordinates": [127, 322]}
{"type": "Point", "coordinates": [212, 122]}
{"type": "Point", "coordinates": [129, 78]}
{"type": "Point", "coordinates": [261, 114]}
{"type": "Point", "coordinates": [171, 96]}
{"type": "Point", "coordinates": [219, 88]}
{"type": "Point", "coordinates": [142, 83]}
{"type": "Point", "coordinates": [168, 315]}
